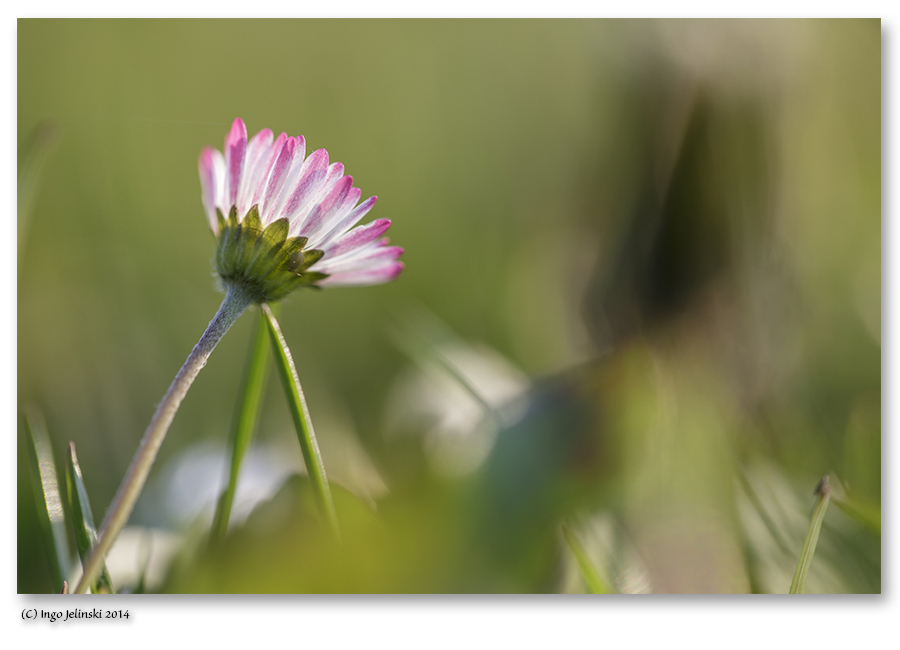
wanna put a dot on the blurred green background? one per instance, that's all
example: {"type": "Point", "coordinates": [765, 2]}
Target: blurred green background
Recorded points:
{"type": "Point", "coordinates": [651, 247]}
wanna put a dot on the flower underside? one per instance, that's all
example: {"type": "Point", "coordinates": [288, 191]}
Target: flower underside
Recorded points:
{"type": "Point", "coordinates": [287, 212]}
{"type": "Point", "coordinates": [264, 262]}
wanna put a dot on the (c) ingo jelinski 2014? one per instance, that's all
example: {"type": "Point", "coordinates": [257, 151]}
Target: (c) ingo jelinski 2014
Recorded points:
{"type": "Point", "coordinates": [71, 614]}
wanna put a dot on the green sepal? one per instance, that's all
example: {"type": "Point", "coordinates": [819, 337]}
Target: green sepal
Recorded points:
{"type": "Point", "coordinates": [251, 219]}
{"type": "Point", "coordinates": [220, 218]}
{"type": "Point", "coordinates": [263, 261]}
{"type": "Point", "coordinates": [311, 257]}
{"type": "Point", "coordinates": [251, 230]}
{"type": "Point", "coordinates": [311, 277]}
{"type": "Point", "coordinates": [229, 242]}
{"type": "Point", "coordinates": [267, 247]}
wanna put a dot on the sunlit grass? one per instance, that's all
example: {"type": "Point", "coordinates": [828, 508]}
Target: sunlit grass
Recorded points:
{"type": "Point", "coordinates": [83, 520]}
{"type": "Point", "coordinates": [823, 496]}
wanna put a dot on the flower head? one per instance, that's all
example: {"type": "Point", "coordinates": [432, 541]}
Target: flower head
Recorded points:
{"type": "Point", "coordinates": [285, 220]}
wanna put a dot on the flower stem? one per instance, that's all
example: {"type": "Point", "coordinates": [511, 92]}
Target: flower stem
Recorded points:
{"type": "Point", "coordinates": [234, 304]}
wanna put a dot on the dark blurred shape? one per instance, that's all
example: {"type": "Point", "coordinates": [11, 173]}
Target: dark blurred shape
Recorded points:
{"type": "Point", "coordinates": [681, 232]}
{"type": "Point", "coordinates": [555, 459]}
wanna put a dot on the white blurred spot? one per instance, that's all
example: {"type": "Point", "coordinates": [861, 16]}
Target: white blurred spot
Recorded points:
{"type": "Point", "coordinates": [138, 551]}
{"type": "Point", "coordinates": [452, 400]}
{"type": "Point", "coordinates": [194, 479]}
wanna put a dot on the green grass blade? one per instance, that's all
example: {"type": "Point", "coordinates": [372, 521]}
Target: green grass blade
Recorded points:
{"type": "Point", "coordinates": [244, 422]}
{"type": "Point", "coordinates": [46, 494]}
{"type": "Point", "coordinates": [83, 519]}
{"type": "Point", "coordinates": [595, 583]}
{"type": "Point", "coordinates": [823, 491]}
{"type": "Point", "coordinates": [299, 411]}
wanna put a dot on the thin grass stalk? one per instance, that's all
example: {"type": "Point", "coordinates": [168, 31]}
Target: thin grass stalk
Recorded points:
{"type": "Point", "coordinates": [244, 421]}
{"type": "Point", "coordinates": [595, 583]}
{"type": "Point", "coordinates": [823, 491]}
{"type": "Point", "coordinates": [51, 516]}
{"type": "Point", "coordinates": [302, 422]}
{"type": "Point", "coordinates": [83, 519]}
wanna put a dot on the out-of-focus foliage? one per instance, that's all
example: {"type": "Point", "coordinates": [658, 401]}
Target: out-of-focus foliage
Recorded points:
{"type": "Point", "coordinates": [656, 246]}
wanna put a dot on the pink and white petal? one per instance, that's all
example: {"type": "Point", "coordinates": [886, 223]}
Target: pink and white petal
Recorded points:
{"type": "Point", "coordinates": [348, 216]}
{"type": "Point", "coordinates": [264, 169]}
{"type": "Point", "coordinates": [278, 177]}
{"type": "Point", "coordinates": [312, 173]}
{"type": "Point", "coordinates": [347, 221]}
{"type": "Point", "coordinates": [357, 238]}
{"type": "Point", "coordinates": [335, 172]}
{"type": "Point", "coordinates": [289, 183]}
{"type": "Point", "coordinates": [330, 178]}
{"type": "Point", "coordinates": [211, 167]}
{"type": "Point", "coordinates": [377, 275]}
{"type": "Point", "coordinates": [326, 208]}
{"type": "Point", "coordinates": [235, 151]}
{"type": "Point", "coordinates": [296, 166]}
{"type": "Point", "coordinates": [366, 258]}
{"type": "Point", "coordinates": [257, 148]}
{"type": "Point", "coordinates": [332, 220]}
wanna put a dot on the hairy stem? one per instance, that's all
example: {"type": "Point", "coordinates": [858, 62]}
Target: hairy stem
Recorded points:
{"type": "Point", "coordinates": [234, 304]}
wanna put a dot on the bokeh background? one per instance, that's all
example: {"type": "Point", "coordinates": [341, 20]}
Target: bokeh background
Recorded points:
{"type": "Point", "coordinates": [642, 299]}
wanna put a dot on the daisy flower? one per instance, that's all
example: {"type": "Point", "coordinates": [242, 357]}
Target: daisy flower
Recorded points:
{"type": "Point", "coordinates": [284, 219]}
